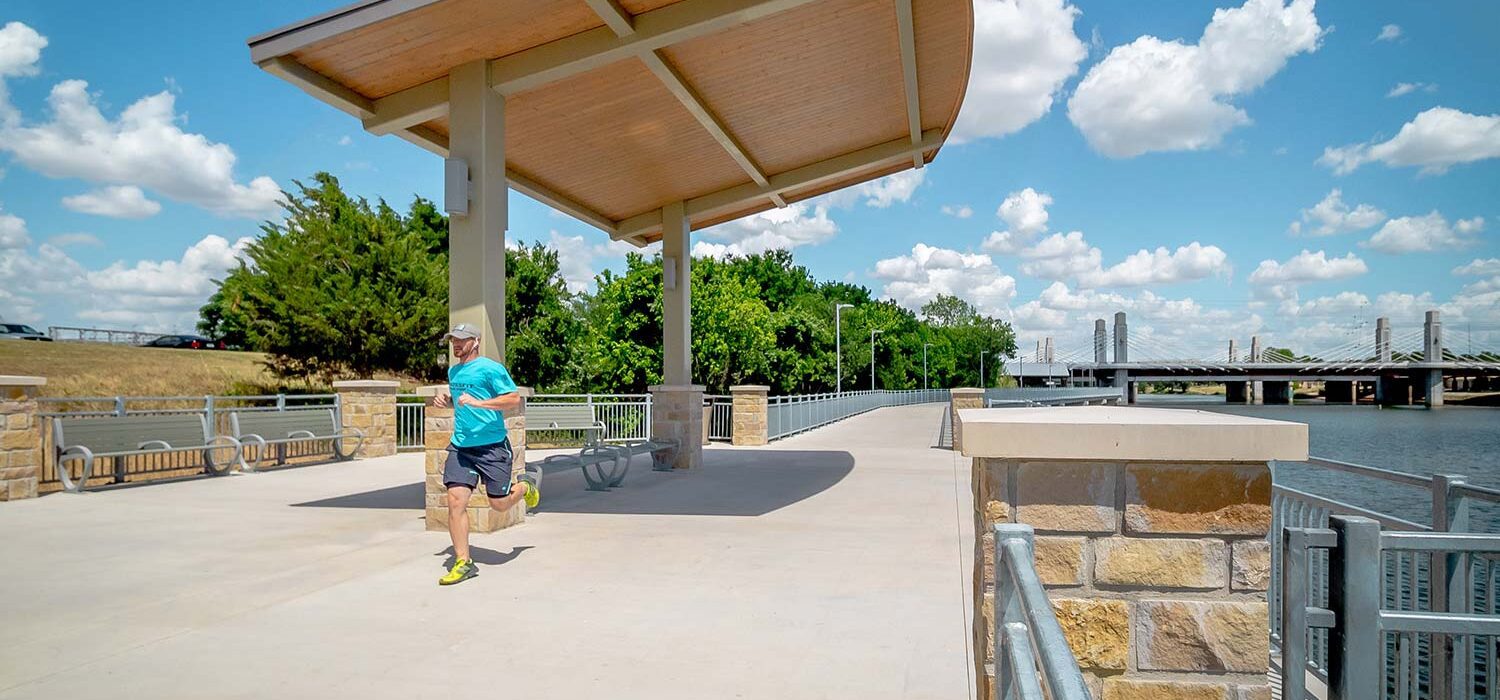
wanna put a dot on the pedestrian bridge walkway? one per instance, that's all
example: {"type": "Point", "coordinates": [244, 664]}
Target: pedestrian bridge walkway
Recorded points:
{"type": "Point", "coordinates": [832, 564]}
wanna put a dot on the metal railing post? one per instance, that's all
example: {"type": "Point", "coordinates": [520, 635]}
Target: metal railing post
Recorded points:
{"type": "Point", "coordinates": [1293, 613]}
{"type": "Point", "coordinates": [119, 405]}
{"type": "Point", "coordinates": [1007, 605]}
{"type": "Point", "coordinates": [1356, 658]}
{"type": "Point", "coordinates": [210, 418]}
{"type": "Point", "coordinates": [281, 402]}
{"type": "Point", "coordinates": [1451, 655]}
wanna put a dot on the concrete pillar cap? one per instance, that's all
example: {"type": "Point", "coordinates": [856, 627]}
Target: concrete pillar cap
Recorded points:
{"type": "Point", "coordinates": [19, 380]}
{"type": "Point", "coordinates": [367, 384]}
{"type": "Point", "coordinates": [967, 391]}
{"type": "Point", "coordinates": [760, 388]}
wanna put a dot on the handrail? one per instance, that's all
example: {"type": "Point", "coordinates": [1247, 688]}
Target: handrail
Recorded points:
{"type": "Point", "coordinates": [1026, 628]}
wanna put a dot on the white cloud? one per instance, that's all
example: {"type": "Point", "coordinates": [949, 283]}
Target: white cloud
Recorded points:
{"type": "Point", "coordinates": [1490, 266]}
{"type": "Point", "coordinates": [1341, 305]}
{"type": "Point", "coordinates": [144, 147]}
{"type": "Point", "coordinates": [1332, 216]}
{"type": "Point", "coordinates": [1156, 95]}
{"type": "Point", "coordinates": [1420, 234]}
{"type": "Point", "coordinates": [1389, 32]}
{"type": "Point", "coordinates": [345, 140]}
{"type": "Point", "coordinates": [1435, 140]}
{"type": "Point", "coordinates": [67, 240]}
{"type": "Point", "coordinates": [13, 232]}
{"type": "Point", "coordinates": [1408, 88]}
{"type": "Point", "coordinates": [796, 225]}
{"type": "Point", "coordinates": [961, 211]}
{"type": "Point", "coordinates": [1024, 50]}
{"type": "Point", "coordinates": [576, 258]}
{"type": "Point", "coordinates": [1185, 325]}
{"type": "Point", "coordinates": [915, 279]}
{"type": "Point", "coordinates": [1025, 212]}
{"type": "Point", "coordinates": [879, 193]}
{"type": "Point", "coordinates": [1161, 266]}
{"type": "Point", "coordinates": [188, 280]}
{"type": "Point", "coordinates": [1307, 266]}
{"type": "Point", "coordinates": [1061, 257]}
{"type": "Point", "coordinates": [121, 202]}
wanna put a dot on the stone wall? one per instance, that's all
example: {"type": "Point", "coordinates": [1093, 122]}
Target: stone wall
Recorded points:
{"type": "Point", "coordinates": [1157, 571]}
{"type": "Point", "coordinates": [960, 399]}
{"type": "Point", "coordinates": [677, 414]}
{"type": "Point", "coordinates": [437, 432]}
{"type": "Point", "coordinates": [20, 437]}
{"type": "Point", "coordinates": [749, 415]}
{"type": "Point", "coordinates": [370, 407]}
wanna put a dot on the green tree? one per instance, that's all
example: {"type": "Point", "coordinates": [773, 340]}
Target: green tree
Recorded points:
{"type": "Point", "coordinates": [543, 325]}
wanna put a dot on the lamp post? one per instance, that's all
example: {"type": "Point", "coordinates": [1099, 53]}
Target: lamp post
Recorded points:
{"type": "Point", "coordinates": [981, 369]}
{"type": "Point", "coordinates": [924, 365]}
{"type": "Point", "coordinates": [838, 347]}
{"type": "Point", "coordinates": [873, 333]}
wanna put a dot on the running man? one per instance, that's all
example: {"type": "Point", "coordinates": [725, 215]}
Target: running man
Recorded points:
{"type": "Point", "coordinates": [480, 389]}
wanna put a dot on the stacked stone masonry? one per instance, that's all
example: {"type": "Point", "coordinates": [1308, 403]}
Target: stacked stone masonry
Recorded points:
{"type": "Point", "coordinates": [960, 399]}
{"type": "Point", "coordinates": [437, 432]}
{"type": "Point", "coordinates": [749, 415]}
{"type": "Point", "coordinates": [1157, 572]}
{"type": "Point", "coordinates": [20, 438]}
{"type": "Point", "coordinates": [370, 407]}
{"type": "Point", "coordinates": [677, 414]}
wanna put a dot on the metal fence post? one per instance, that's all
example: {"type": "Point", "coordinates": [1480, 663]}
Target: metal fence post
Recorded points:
{"type": "Point", "coordinates": [1356, 654]}
{"type": "Point", "coordinates": [1452, 655]}
{"type": "Point", "coordinates": [1293, 613]}
{"type": "Point", "coordinates": [209, 418]}
{"type": "Point", "coordinates": [119, 405]}
{"type": "Point", "coordinates": [281, 402]}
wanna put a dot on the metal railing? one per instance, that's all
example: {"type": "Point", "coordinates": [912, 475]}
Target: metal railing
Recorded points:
{"type": "Point", "coordinates": [169, 464]}
{"type": "Point", "coordinates": [720, 417]}
{"type": "Point", "coordinates": [1405, 579]}
{"type": "Point", "coordinates": [625, 416]}
{"type": "Point", "coordinates": [789, 415]}
{"type": "Point", "coordinates": [102, 335]}
{"type": "Point", "coordinates": [411, 412]}
{"type": "Point", "coordinates": [1052, 396]}
{"type": "Point", "coordinates": [1377, 647]}
{"type": "Point", "coordinates": [1027, 636]}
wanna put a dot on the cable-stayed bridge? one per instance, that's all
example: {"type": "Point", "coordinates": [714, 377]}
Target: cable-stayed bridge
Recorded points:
{"type": "Point", "coordinates": [1395, 366]}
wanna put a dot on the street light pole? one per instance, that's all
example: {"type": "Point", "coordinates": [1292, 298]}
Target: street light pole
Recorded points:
{"type": "Point", "coordinates": [981, 369]}
{"type": "Point", "coordinates": [924, 365]}
{"type": "Point", "coordinates": [872, 358]}
{"type": "Point", "coordinates": [838, 347]}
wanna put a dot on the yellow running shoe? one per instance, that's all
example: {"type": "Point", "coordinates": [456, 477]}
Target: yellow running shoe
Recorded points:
{"type": "Point", "coordinates": [462, 570]}
{"type": "Point", "coordinates": [532, 479]}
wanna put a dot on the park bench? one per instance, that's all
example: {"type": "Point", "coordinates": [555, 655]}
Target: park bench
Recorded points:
{"type": "Point", "coordinates": [265, 427]}
{"type": "Point", "coordinates": [566, 416]}
{"type": "Point", "coordinates": [610, 462]}
{"type": "Point", "coordinates": [88, 439]}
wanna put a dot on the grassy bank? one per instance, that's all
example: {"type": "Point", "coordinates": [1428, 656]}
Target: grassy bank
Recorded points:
{"type": "Point", "coordinates": [98, 369]}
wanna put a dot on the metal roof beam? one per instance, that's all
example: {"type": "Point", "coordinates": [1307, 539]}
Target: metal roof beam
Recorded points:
{"type": "Point", "coordinates": [409, 107]}
{"type": "Point", "coordinates": [614, 16]}
{"type": "Point", "coordinates": [796, 179]}
{"type": "Point", "coordinates": [320, 86]}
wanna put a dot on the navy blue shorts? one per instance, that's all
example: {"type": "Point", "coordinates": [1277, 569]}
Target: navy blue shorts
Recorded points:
{"type": "Point", "coordinates": [467, 466]}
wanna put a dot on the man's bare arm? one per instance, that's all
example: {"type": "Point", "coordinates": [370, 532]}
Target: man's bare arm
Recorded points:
{"type": "Point", "coordinates": [503, 402]}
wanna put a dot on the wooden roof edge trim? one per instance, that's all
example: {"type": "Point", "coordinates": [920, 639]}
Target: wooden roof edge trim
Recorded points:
{"type": "Point", "coordinates": [299, 35]}
{"type": "Point", "coordinates": [807, 175]}
{"type": "Point", "coordinates": [958, 104]}
{"type": "Point", "coordinates": [321, 87]}
{"type": "Point", "coordinates": [907, 41]}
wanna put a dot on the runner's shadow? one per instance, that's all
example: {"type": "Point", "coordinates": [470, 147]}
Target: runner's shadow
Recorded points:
{"type": "Point", "coordinates": [488, 557]}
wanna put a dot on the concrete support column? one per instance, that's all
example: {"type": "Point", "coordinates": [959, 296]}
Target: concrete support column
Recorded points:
{"type": "Point", "coordinates": [1432, 347]}
{"type": "Point", "coordinates": [1234, 353]}
{"type": "Point", "coordinates": [1257, 389]}
{"type": "Point", "coordinates": [1122, 339]}
{"type": "Point", "coordinates": [1382, 339]}
{"type": "Point", "coordinates": [369, 405]}
{"type": "Point", "coordinates": [750, 411]}
{"type": "Point", "coordinates": [1234, 392]}
{"type": "Point", "coordinates": [1150, 534]}
{"type": "Point", "coordinates": [1101, 343]}
{"type": "Point", "coordinates": [677, 414]}
{"type": "Point", "coordinates": [20, 437]}
{"type": "Point", "coordinates": [476, 240]}
{"type": "Point", "coordinates": [1278, 393]}
{"type": "Point", "coordinates": [960, 399]}
{"type": "Point", "coordinates": [437, 431]}
{"type": "Point", "coordinates": [677, 314]}
{"type": "Point", "coordinates": [1339, 392]}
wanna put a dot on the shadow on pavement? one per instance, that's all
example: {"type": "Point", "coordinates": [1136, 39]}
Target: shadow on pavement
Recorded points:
{"type": "Point", "coordinates": [480, 555]}
{"type": "Point", "coordinates": [394, 497]}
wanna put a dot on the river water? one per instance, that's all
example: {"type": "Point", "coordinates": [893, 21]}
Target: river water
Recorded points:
{"type": "Point", "coordinates": [1454, 440]}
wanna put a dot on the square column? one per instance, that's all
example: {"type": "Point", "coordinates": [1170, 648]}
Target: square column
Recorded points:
{"type": "Point", "coordinates": [958, 400]}
{"type": "Point", "coordinates": [1151, 539]}
{"type": "Point", "coordinates": [20, 437]}
{"type": "Point", "coordinates": [749, 415]}
{"type": "Point", "coordinates": [677, 414]}
{"type": "Point", "coordinates": [676, 306]}
{"type": "Point", "coordinates": [437, 431]}
{"type": "Point", "coordinates": [476, 240]}
{"type": "Point", "coordinates": [369, 405]}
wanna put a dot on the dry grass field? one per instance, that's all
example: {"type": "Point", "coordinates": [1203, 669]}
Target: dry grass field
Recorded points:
{"type": "Point", "coordinates": [98, 369]}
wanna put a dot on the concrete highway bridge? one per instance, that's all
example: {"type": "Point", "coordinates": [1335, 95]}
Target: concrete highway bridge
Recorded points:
{"type": "Point", "coordinates": [1414, 367]}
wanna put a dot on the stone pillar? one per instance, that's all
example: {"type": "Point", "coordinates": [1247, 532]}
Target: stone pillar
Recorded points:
{"type": "Point", "coordinates": [1279, 393]}
{"type": "Point", "coordinates": [1234, 392]}
{"type": "Point", "coordinates": [437, 431]}
{"type": "Point", "coordinates": [1151, 538]}
{"type": "Point", "coordinates": [1338, 392]}
{"type": "Point", "coordinates": [959, 399]}
{"type": "Point", "coordinates": [20, 437]}
{"type": "Point", "coordinates": [677, 414]}
{"type": "Point", "coordinates": [750, 426]}
{"type": "Point", "coordinates": [369, 405]}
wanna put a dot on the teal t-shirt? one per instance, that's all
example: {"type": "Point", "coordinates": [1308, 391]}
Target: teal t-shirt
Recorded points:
{"type": "Point", "coordinates": [483, 379]}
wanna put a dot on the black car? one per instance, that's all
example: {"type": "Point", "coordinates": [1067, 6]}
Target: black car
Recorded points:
{"type": "Point", "coordinates": [193, 342]}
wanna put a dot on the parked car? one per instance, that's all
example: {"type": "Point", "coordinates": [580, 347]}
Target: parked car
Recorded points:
{"type": "Point", "coordinates": [21, 331]}
{"type": "Point", "coordinates": [193, 342]}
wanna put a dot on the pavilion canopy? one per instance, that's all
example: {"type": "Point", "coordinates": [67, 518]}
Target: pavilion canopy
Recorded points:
{"type": "Point", "coordinates": [616, 108]}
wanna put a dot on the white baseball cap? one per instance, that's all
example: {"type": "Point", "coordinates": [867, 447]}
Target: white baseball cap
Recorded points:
{"type": "Point", "coordinates": [462, 331]}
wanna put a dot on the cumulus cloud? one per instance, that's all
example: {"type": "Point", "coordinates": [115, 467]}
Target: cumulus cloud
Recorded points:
{"type": "Point", "coordinates": [1194, 261]}
{"type": "Point", "coordinates": [878, 194]}
{"type": "Point", "coordinates": [1435, 140]}
{"type": "Point", "coordinates": [1389, 32]}
{"type": "Point", "coordinates": [13, 232]}
{"type": "Point", "coordinates": [120, 202]}
{"type": "Point", "coordinates": [1308, 266]}
{"type": "Point", "coordinates": [1185, 325]}
{"type": "Point", "coordinates": [579, 261]}
{"type": "Point", "coordinates": [1025, 213]}
{"type": "Point", "coordinates": [961, 211]}
{"type": "Point", "coordinates": [915, 279]}
{"type": "Point", "coordinates": [796, 225]}
{"type": "Point", "coordinates": [1155, 95]}
{"type": "Point", "coordinates": [144, 147]}
{"type": "Point", "coordinates": [1489, 266]}
{"type": "Point", "coordinates": [1332, 216]}
{"type": "Point", "coordinates": [1024, 50]}
{"type": "Point", "coordinates": [1422, 234]}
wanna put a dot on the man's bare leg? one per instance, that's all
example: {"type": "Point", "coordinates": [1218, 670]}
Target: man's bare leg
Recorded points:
{"type": "Point", "coordinates": [458, 519]}
{"type": "Point", "coordinates": [506, 502]}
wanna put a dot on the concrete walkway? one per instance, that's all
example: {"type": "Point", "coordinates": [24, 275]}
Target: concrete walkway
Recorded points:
{"type": "Point", "coordinates": [828, 565]}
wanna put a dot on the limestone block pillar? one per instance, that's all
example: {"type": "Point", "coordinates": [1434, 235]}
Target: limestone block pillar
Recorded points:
{"type": "Point", "coordinates": [1151, 539]}
{"type": "Point", "coordinates": [960, 399]}
{"type": "Point", "coordinates": [437, 431]}
{"type": "Point", "coordinates": [677, 414]}
{"type": "Point", "coordinates": [370, 406]}
{"type": "Point", "coordinates": [20, 437]}
{"type": "Point", "coordinates": [750, 425]}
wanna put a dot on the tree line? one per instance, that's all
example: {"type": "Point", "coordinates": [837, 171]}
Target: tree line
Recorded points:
{"type": "Point", "coordinates": [346, 288]}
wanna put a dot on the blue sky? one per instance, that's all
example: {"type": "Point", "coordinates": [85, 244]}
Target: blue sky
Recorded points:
{"type": "Point", "coordinates": [1218, 138]}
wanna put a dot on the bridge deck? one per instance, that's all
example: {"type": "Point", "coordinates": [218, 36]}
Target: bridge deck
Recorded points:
{"type": "Point", "coordinates": [827, 565]}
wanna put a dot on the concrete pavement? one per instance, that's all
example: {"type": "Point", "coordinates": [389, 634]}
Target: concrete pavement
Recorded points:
{"type": "Point", "coordinates": [828, 565]}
